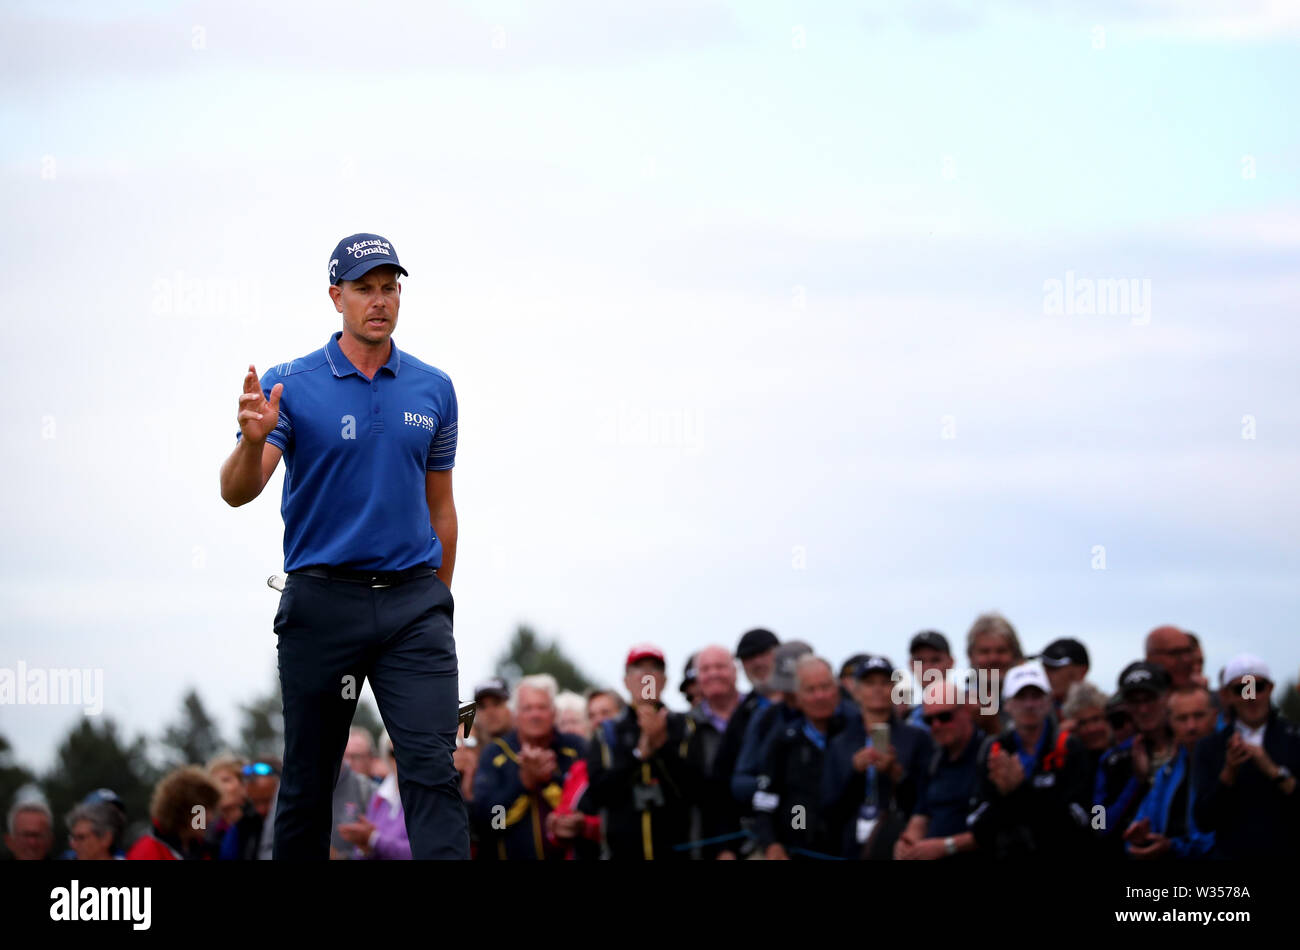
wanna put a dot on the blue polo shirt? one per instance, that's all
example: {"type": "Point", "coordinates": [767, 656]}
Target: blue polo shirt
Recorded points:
{"type": "Point", "coordinates": [355, 456]}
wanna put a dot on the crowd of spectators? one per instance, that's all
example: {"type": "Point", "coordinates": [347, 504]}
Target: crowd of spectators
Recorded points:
{"type": "Point", "coordinates": [1010, 755]}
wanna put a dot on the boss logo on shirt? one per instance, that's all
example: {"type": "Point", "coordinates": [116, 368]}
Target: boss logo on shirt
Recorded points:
{"type": "Point", "coordinates": [423, 421]}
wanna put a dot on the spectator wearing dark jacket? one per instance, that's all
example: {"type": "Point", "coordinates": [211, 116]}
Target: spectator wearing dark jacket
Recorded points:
{"type": "Point", "coordinates": [769, 722]}
{"type": "Point", "coordinates": [757, 654]}
{"type": "Point", "coordinates": [1125, 771]}
{"type": "Point", "coordinates": [868, 794]}
{"type": "Point", "coordinates": [938, 828]}
{"type": "Point", "coordinates": [1083, 715]}
{"type": "Point", "coordinates": [1033, 794]}
{"type": "Point", "coordinates": [640, 767]}
{"type": "Point", "coordinates": [521, 776]}
{"type": "Point", "coordinates": [716, 819]}
{"type": "Point", "coordinates": [788, 817]}
{"type": "Point", "coordinates": [1244, 785]}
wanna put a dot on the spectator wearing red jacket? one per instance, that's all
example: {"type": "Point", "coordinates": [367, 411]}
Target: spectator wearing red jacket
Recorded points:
{"type": "Point", "coordinates": [183, 803]}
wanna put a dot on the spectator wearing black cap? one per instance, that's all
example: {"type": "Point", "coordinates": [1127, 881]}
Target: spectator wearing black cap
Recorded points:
{"type": "Point", "coordinates": [928, 651]}
{"type": "Point", "coordinates": [492, 712]}
{"type": "Point", "coordinates": [1066, 663]}
{"type": "Point", "coordinates": [1033, 778]}
{"type": "Point", "coordinates": [690, 684]}
{"type": "Point", "coordinates": [1125, 771]}
{"type": "Point", "coordinates": [640, 768]}
{"type": "Point", "coordinates": [1164, 826]}
{"type": "Point", "coordinates": [788, 818]}
{"type": "Point", "coordinates": [869, 792]}
{"type": "Point", "coordinates": [1244, 787]}
{"type": "Point", "coordinates": [757, 654]}
{"type": "Point", "coordinates": [849, 674]}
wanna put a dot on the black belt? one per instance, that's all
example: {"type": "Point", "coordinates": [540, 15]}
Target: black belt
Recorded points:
{"type": "Point", "coordinates": [371, 578]}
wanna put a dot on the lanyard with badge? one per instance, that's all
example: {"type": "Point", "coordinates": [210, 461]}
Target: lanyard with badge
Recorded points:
{"type": "Point", "coordinates": [869, 810]}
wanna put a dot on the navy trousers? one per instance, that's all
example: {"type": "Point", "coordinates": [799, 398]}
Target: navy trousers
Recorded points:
{"type": "Point", "coordinates": [333, 635]}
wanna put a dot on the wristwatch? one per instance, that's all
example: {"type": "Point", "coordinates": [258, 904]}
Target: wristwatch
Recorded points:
{"type": "Point", "coordinates": [950, 846]}
{"type": "Point", "coordinates": [1283, 773]}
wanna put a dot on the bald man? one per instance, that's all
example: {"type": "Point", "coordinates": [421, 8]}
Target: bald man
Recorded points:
{"type": "Point", "coordinates": [1172, 649]}
{"type": "Point", "coordinates": [715, 672]}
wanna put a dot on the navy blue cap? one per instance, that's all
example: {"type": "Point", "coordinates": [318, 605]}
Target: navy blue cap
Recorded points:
{"type": "Point", "coordinates": [874, 664]}
{"type": "Point", "coordinates": [358, 253]}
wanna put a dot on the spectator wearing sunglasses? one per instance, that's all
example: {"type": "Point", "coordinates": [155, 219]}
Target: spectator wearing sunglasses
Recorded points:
{"type": "Point", "coordinates": [938, 828]}
{"type": "Point", "coordinates": [91, 829]}
{"type": "Point", "coordinates": [930, 649]}
{"type": "Point", "coordinates": [1245, 774]}
{"type": "Point", "coordinates": [250, 838]}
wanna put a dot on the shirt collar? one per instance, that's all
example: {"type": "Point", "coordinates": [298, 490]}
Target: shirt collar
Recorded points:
{"type": "Point", "coordinates": [342, 366]}
{"type": "Point", "coordinates": [388, 791]}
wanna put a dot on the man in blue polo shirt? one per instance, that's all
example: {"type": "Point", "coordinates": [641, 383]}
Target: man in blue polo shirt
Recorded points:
{"type": "Point", "coordinates": [368, 437]}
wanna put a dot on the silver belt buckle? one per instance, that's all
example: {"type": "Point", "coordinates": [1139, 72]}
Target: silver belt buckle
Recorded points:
{"type": "Point", "coordinates": [378, 586]}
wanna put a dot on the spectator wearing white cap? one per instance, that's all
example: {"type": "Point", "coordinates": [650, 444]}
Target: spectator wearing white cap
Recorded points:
{"type": "Point", "coordinates": [1033, 778]}
{"type": "Point", "coordinates": [1244, 787]}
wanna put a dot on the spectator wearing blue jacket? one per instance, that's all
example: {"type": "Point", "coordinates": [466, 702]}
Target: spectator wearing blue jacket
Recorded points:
{"type": "Point", "coordinates": [768, 722]}
{"type": "Point", "coordinates": [1164, 826]}
{"type": "Point", "coordinates": [521, 776]}
{"type": "Point", "coordinates": [869, 793]}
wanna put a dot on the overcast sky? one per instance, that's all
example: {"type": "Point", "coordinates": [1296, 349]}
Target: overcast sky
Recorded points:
{"type": "Point", "coordinates": [748, 308]}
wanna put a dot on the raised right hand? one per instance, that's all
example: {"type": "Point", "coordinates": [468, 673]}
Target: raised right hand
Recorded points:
{"type": "Point", "coordinates": [258, 415]}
